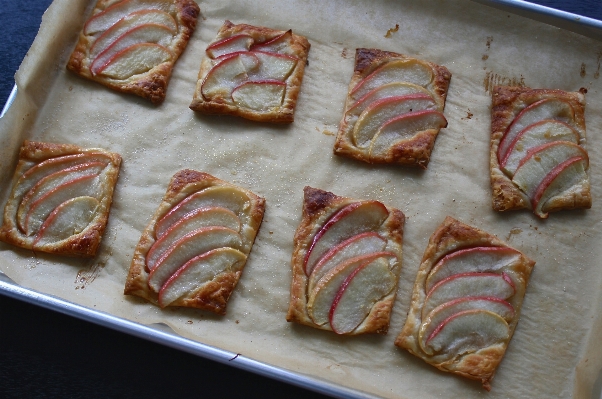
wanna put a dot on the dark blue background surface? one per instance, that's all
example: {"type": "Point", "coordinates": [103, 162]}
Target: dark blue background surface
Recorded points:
{"type": "Point", "coordinates": [48, 355]}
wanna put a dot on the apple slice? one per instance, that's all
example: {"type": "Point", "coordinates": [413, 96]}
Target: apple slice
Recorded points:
{"type": "Point", "coordinates": [259, 95]}
{"type": "Point", "coordinates": [87, 185]}
{"type": "Point", "coordinates": [230, 198]}
{"type": "Point", "coordinates": [52, 165]}
{"type": "Point", "coordinates": [550, 108]}
{"type": "Point", "coordinates": [541, 160]}
{"type": "Point", "coordinates": [467, 332]}
{"type": "Point", "coordinates": [382, 111]}
{"type": "Point", "coordinates": [533, 136]}
{"type": "Point", "coordinates": [68, 219]}
{"type": "Point", "coordinates": [468, 285]}
{"type": "Point", "coordinates": [273, 66]}
{"type": "Point", "coordinates": [134, 60]}
{"type": "Point", "coordinates": [410, 71]}
{"type": "Point", "coordinates": [232, 44]}
{"type": "Point", "coordinates": [321, 299]}
{"type": "Point", "coordinates": [477, 259]}
{"type": "Point", "coordinates": [146, 33]}
{"type": "Point", "coordinates": [565, 176]}
{"type": "Point", "coordinates": [393, 89]}
{"type": "Point", "coordinates": [352, 219]}
{"type": "Point", "coordinates": [48, 183]}
{"type": "Point", "coordinates": [360, 244]}
{"type": "Point", "coordinates": [279, 44]}
{"type": "Point", "coordinates": [112, 14]}
{"type": "Point", "coordinates": [229, 72]}
{"type": "Point", "coordinates": [404, 127]}
{"type": "Point", "coordinates": [201, 217]}
{"type": "Point", "coordinates": [199, 271]}
{"type": "Point", "coordinates": [192, 244]}
{"type": "Point", "coordinates": [448, 309]}
{"type": "Point", "coordinates": [130, 22]}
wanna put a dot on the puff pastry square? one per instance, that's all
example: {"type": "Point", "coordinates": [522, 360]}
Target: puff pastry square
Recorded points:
{"type": "Point", "coordinates": [346, 263]}
{"type": "Point", "coordinates": [537, 158]}
{"type": "Point", "coordinates": [394, 109]}
{"type": "Point", "coordinates": [252, 72]}
{"type": "Point", "coordinates": [466, 301]}
{"type": "Point", "coordinates": [60, 199]}
{"type": "Point", "coordinates": [132, 45]}
{"type": "Point", "coordinates": [195, 247]}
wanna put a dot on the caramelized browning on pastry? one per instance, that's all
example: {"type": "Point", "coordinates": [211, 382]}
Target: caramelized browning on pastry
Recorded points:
{"type": "Point", "coordinates": [537, 159]}
{"type": "Point", "coordinates": [346, 263]}
{"type": "Point", "coordinates": [60, 198]}
{"type": "Point", "coordinates": [132, 45]}
{"type": "Point", "coordinates": [193, 251]}
{"type": "Point", "coordinates": [252, 72]}
{"type": "Point", "coordinates": [394, 109]}
{"type": "Point", "coordinates": [466, 301]}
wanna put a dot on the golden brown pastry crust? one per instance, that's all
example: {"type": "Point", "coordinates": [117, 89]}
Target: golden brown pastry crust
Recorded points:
{"type": "Point", "coordinates": [152, 84]}
{"type": "Point", "coordinates": [451, 236]}
{"type": "Point", "coordinates": [283, 114]}
{"type": "Point", "coordinates": [415, 151]}
{"type": "Point", "coordinates": [318, 206]}
{"type": "Point", "coordinates": [86, 242]}
{"type": "Point", "coordinates": [507, 102]}
{"type": "Point", "coordinates": [213, 295]}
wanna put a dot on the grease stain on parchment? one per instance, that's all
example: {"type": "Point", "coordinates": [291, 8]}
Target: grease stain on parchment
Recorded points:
{"type": "Point", "coordinates": [492, 79]}
{"type": "Point", "coordinates": [87, 275]}
{"type": "Point", "coordinates": [391, 31]}
{"type": "Point", "coordinates": [597, 73]}
{"type": "Point", "coordinates": [582, 72]}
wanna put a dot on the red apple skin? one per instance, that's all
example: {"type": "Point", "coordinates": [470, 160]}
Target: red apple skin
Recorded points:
{"type": "Point", "coordinates": [221, 60]}
{"type": "Point", "coordinates": [341, 291]}
{"type": "Point", "coordinates": [534, 151]}
{"type": "Point", "coordinates": [550, 178]}
{"type": "Point", "coordinates": [445, 280]}
{"type": "Point", "coordinates": [152, 5]}
{"type": "Point", "coordinates": [270, 43]}
{"type": "Point", "coordinates": [224, 41]}
{"type": "Point", "coordinates": [125, 50]}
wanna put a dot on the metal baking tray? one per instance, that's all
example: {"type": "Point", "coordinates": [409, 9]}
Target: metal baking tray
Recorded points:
{"type": "Point", "coordinates": [162, 334]}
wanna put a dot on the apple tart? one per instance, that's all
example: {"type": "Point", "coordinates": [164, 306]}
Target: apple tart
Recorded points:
{"type": "Point", "coordinates": [252, 72]}
{"type": "Point", "coordinates": [195, 247]}
{"type": "Point", "coordinates": [466, 301]}
{"type": "Point", "coordinates": [537, 159]}
{"type": "Point", "coordinates": [132, 45]}
{"type": "Point", "coordinates": [60, 199]}
{"type": "Point", "coordinates": [394, 109]}
{"type": "Point", "coordinates": [346, 263]}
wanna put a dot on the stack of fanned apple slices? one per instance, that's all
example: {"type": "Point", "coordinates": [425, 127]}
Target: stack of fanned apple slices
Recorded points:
{"type": "Point", "coordinates": [541, 152]}
{"type": "Point", "coordinates": [130, 37]}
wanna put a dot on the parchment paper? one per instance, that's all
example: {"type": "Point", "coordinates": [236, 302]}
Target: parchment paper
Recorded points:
{"type": "Point", "coordinates": [554, 352]}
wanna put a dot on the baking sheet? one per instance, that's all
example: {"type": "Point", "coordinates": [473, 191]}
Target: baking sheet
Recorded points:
{"type": "Point", "coordinates": [554, 349]}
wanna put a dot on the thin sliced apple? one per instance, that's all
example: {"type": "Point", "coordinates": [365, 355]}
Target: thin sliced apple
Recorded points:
{"type": "Point", "coordinates": [541, 160]}
{"type": "Point", "coordinates": [279, 44]}
{"type": "Point", "coordinates": [130, 22]}
{"type": "Point", "coordinates": [199, 271]}
{"type": "Point", "coordinates": [229, 72]}
{"type": "Point", "coordinates": [405, 127]}
{"type": "Point", "coordinates": [259, 95]}
{"type": "Point", "coordinates": [565, 176]}
{"type": "Point", "coordinates": [230, 198]}
{"type": "Point", "coordinates": [410, 71]}
{"type": "Point", "coordinates": [355, 218]}
{"type": "Point", "coordinates": [321, 299]}
{"type": "Point", "coordinates": [52, 165]}
{"type": "Point", "coordinates": [136, 59]}
{"type": "Point", "coordinates": [103, 20]}
{"type": "Point", "coordinates": [232, 44]}
{"type": "Point", "coordinates": [192, 244]}
{"type": "Point", "coordinates": [201, 217]}
{"type": "Point", "coordinates": [533, 136]}
{"type": "Point", "coordinates": [550, 108]}
{"type": "Point", "coordinates": [467, 332]}
{"type": "Point", "coordinates": [393, 89]}
{"type": "Point", "coordinates": [146, 33]}
{"type": "Point", "coordinates": [358, 293]}
{"type": "Point", "coordinates": [442, 312]}
{"type": "Point", "coordinates": [68, 219]}
{"type": "Point", "coordinates": [463, 285]}
{"type": "Point", "coordinates": [88, 185]}
{"type": "Point", "coordinates": [477, 259]}
{"type": "Point", "coordinates": [273, 66]}
{"type": "Point", "coordinates": [49, 182]}
{"type": "Point", "coordinates": [380, 112]}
